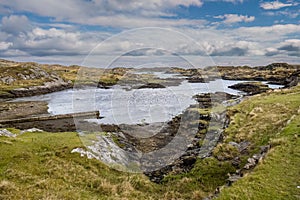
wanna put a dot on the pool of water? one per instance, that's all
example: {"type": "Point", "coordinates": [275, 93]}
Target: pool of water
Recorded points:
{"type": "Point", "coordinates": [118, 105]}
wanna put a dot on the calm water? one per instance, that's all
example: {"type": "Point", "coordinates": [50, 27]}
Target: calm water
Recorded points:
{"type": "Point", "coordinates": [118, 105]}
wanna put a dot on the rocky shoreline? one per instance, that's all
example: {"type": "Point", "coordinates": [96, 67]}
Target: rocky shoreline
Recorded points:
{"type": "Point", "coordinates": [199, 127]}
{"type": "Point", "coordinates": [275, 73]}
{"type": "Point", "coordinates": [29, 79]}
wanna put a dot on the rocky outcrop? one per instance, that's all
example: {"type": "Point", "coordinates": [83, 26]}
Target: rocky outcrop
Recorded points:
{"type": "Point", "coordinates": [276, 73]}
{"type": "Point", "coordinates": [28, 79]}
{"type": "Point", "coordinates": [6, 133]}
{"type": "Point", "coordinates": [53, 123]}
{"type": "Point", "coordinates": [16, 110]}
{"type": "Point", "coordinates": [196, 79]}
{"type": "Point", "coordinates": [251, 88]}
{"type": "Point", "coordinates": [152, 85]}
{"type": "Point", "coordinates": [48, 87]}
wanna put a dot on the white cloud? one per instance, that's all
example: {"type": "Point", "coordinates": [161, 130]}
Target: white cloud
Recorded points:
{"type": "Point", "coordinates": [230, 1]}
{"type": "Point", "coordinates": [111, 13]}
{"type": "Point", "coordinates": [15, 24]}
{"type": "Point", "coordinates": [266, 34]}
{"type": "Point", "coordinates": [70, 44]}
{"type": "Point", "coordinates": [288, 13]}
{"type": "Point", "coordinates": [5, 45]}
{"type": "Point", "coordinates": [232, 42]}
{"type": "Point", "coordinates": [14, 53]}
{"type": "Point", "coordinates": [234, 18]}
{"type": "Point", "coordinates": [291, 47]}
{"type": "Point", "coordinates": [100, 12]}
{"type": "Point", "coordinates": [150, 5]}
{"type": "Point", "coordinates": [274, 5]}
{"type": "Point", "coordinates": [122, 21]}
{"type": "Point", "coordinates": [271, 51]}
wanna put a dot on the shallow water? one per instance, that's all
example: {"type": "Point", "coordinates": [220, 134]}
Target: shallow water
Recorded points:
{"type": "Point", "coordinates": [119, 106]}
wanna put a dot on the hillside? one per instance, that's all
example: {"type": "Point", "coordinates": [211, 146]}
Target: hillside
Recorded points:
{"type": "Point", "coordinates": [40, 165]}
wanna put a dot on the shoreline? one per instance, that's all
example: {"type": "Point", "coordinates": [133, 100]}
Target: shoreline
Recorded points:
{"type": "Point", "coordinates": [19, 79]}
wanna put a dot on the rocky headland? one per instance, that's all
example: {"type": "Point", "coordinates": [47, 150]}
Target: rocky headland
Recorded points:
{"type": "Point", "coordinates": [276, 73]}
{"type": "Point", "coordinates": [19, 79]}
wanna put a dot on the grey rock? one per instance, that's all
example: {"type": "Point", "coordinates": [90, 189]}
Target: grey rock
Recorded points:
{"type": "Point", "coordinates": [233, 178]}
{"type": "Point", "coordinates": [251, 163]}
{"type": "Point", "coordinates": [264, 149]}
{"type": "Point", "coordinates": [256, 157]}
{"type": "Point", "coordinates": [6, 133]}
{"type": "Point", "coordinates": [234, 144]}
{"type": "Point", "coordinates": [243, 146]}
{"type": "Point", "coordinates": [8, 80]}
{"type": "Point", "coordinates": [31, 130]}
{"type": "Point", "coordinates": [236, 161]}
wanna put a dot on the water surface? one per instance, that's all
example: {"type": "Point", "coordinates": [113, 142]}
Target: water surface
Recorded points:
{"type": "Point", "coordinates": [118, 105]}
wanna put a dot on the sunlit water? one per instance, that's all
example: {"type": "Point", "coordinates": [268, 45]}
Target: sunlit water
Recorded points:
{"type": "Point", "coordinates": [119, 106]}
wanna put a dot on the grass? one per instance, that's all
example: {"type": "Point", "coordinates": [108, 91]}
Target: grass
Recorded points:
{"type": "Point", "coordinates": [32, 74]}
{"type": "Point", "coordinates": [278, 176]}
{"type": "Point", "coordinates": [40, 166]}
{"type": "Point", "coordinates": [260, 118]}
{"type": "Point", "coordinates": [207, 175]}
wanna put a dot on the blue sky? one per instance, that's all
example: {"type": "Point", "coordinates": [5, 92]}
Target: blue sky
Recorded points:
{"type": "Point", "coordinates": [233, 32]}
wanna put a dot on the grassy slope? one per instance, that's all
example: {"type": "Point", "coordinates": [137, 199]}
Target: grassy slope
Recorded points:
{"type": "Point", "coordinates": [40, 165]}
{"type": "Point", "coordinates": [258, 120]}
{"type": "Point", "coordinates": [278, 176]}
{"type": "Point", "coordinates": [265, 119]}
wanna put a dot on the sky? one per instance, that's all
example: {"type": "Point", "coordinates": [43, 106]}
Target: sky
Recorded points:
{"type": "Point", "coordinates": [130, 33]}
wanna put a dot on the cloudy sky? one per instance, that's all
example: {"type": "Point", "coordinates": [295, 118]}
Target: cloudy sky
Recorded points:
{"type": "Point", "coordinates": [124, 32]}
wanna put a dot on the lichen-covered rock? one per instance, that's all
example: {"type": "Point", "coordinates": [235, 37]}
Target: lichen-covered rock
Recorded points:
{"type": "Point", "coordinates": [251, 88]}
{"type": "Point", "coordinates": [6, 133]}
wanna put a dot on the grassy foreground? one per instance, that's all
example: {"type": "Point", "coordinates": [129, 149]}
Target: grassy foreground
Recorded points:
{"type": "Point", "coordinates": [40, 165]}
{"type": "Point", "coordinates": [278, 176]}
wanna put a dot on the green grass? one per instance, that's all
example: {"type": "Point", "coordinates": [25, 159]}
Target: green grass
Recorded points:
{"type": "Point", "coordinates": [207, 175]}
{"type": "Point", "coordinates": [41, 166]}
{"type": "Point", "coordinates": [278, 176]}
{"type": "Point", "coordinates": [261, 117]}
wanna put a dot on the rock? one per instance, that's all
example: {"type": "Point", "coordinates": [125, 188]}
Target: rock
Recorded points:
{"type": "Point", "coordinates": [196, 79]}
{"type": "Point", "coordinates": [6, 133]}
{"type": "Point", "coordinates": [250, 88]}
{"type": "Point", "coordinates": [234, 144]}
{"type": "Point", "coordinates": [273, 66]}
{"type": "Point", "coordinates": [31, 130]}
{"type": "Point", "coordinates": [264, 149]}
{"type": "Point", "coordinates": [233, 178]}
{"type": "Point", "coordinates": [48, 87]}
{"type": "Point", "coordinates": [293, 80]}
{"type": "Point", "coordinates": [251, 163]}
{"type": "Point", "coordinates": [236, 161]}
{"type": "Point", "coordinates": [105, 149]}
{"type": "Point", "coordinates": [243, 146]}
{"type": "Point", "coordinates": [8, 80]}
{"type": "Point", "coordinates": [257, 157]}
{"type": "Point", "coordinates": [152, 85]}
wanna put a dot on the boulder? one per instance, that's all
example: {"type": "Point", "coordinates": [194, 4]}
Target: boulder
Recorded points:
{"type": "Point", "coordinates": [6, 133]}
